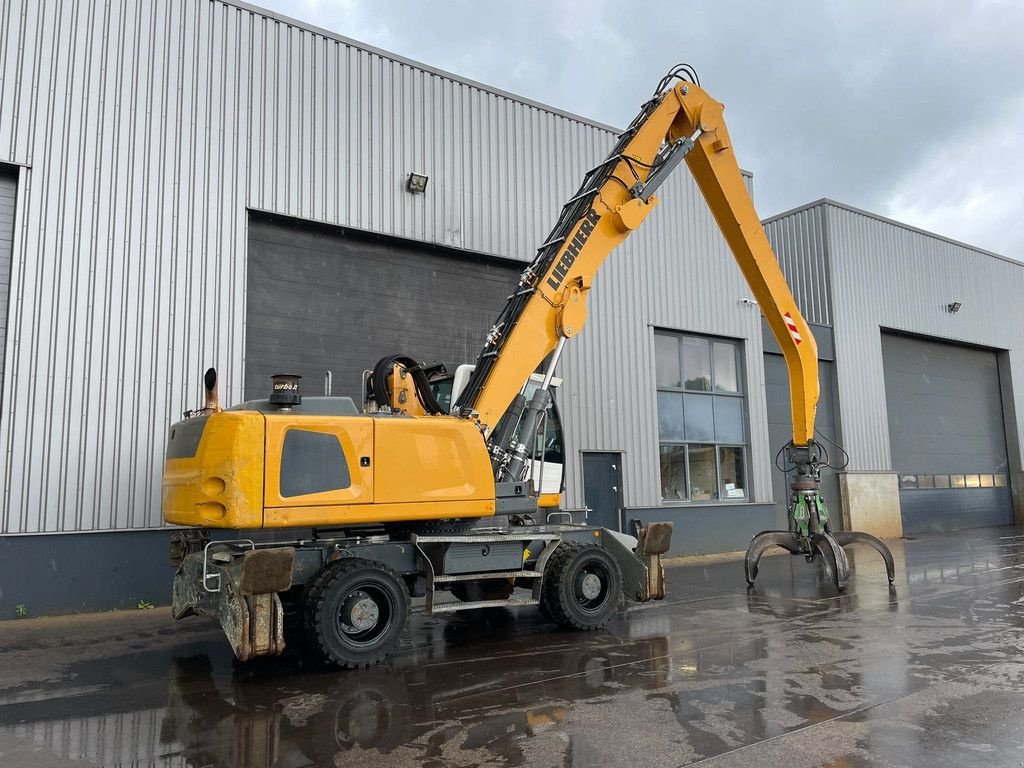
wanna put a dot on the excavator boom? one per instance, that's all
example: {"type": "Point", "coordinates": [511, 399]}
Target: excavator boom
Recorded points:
{"type": "Point", "coordinates": [548, 307]}
{"type": "Point", "coordinates": [549, 304]}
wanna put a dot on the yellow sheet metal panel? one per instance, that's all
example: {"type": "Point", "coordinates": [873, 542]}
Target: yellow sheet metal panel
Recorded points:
{"type": "Point", "coordinates": [431, 459]}
{"type": "Point", "coordinates": [354, 514]}
{"type": "Point", "coordinates": [355, 438]}
{"type": "Point", "coordinates": [221, 485]}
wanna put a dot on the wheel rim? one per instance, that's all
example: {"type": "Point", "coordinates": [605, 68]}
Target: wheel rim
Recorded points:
{"type": "Point", "coordinates": [365, 615]}
{"type": "Point", "coordinates": [591, 586]}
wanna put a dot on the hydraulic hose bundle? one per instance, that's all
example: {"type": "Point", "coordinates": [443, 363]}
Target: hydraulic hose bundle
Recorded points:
{"type": "Point", "coordinates": [379, 390]}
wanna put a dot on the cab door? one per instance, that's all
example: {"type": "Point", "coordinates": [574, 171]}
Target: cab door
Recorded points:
{"type": "Point", "coordinates": [318, 461]}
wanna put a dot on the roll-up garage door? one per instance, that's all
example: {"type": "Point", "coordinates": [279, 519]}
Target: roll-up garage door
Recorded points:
{"type": "Point", "coordinates": [325, 299]}
{"type": "Point", "coordinates": [946, 434]}
{"type": "Point", "coordinates": [8, 190]}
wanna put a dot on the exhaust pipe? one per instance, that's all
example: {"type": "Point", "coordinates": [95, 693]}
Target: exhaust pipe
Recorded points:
{"type": "Point", "coordinates": [212, 402]}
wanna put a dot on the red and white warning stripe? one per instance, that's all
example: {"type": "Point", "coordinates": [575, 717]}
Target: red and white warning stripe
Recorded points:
{"type": "Point", "coordinates": [791, 324]}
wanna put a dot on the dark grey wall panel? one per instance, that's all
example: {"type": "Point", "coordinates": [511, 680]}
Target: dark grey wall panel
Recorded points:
{"type": "Point", "coordinates": [320, 298]}
{"type": "Point", "coordinates": [8, 194]}
{"type": "Point", "coordinates": [945, 417]}
{"type": "Point", "coordinates": [704, 529]}
{"type": "Point", "coordinates": [934, 510]}
{"type": "Point", "coordinates": [69, 573]}
{"type": "Point", "coordinates": [780, 432]}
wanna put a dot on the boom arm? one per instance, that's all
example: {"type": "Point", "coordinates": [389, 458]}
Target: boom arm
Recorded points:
{"type": "Point", "coordinates": [549, 305]}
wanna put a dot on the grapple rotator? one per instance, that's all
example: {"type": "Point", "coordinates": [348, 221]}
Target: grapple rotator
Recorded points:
{"type": "Point", "coordinates": [810, 532]}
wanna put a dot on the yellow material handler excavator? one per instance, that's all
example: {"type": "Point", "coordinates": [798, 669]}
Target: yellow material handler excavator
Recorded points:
{"type": "Point", "coordinates": [355, 511]}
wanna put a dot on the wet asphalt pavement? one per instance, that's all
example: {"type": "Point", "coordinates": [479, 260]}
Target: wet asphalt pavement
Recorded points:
{"type": "Point", "coordinates": [930, 673]}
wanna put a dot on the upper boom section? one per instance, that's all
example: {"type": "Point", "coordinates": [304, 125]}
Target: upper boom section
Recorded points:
{"type": "Point", "coordinates": [549, 304]}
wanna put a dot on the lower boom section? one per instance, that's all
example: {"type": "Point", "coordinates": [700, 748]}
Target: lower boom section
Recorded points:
{"type": "Point", "coordinates": [350, 594]}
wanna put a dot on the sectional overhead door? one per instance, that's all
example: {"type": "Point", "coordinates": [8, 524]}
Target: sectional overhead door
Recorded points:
{"type": "Point", "coordinates": [946, 433]}
{"type": "Point", "coordinates": [325, 299]}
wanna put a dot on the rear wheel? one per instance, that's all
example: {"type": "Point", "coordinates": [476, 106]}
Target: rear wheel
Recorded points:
{"type": "Point", "coordinates": [355, 612]}
{"type": "Point", "coordinates": [582, 585]}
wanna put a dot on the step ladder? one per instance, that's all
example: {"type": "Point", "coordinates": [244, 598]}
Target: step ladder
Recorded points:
{"type": "Point", "coordinates": [434, 547]}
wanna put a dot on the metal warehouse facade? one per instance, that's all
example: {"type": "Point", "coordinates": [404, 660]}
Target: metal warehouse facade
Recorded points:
{"type": "Point", "coordinates": [150, 149]}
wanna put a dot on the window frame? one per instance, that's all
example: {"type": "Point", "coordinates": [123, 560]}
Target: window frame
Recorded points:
{"type": "Point", "coordinates": [741, 393]}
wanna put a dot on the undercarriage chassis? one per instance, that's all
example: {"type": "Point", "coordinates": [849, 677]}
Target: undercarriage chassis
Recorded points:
{"type": "Point", "coordinates": [577, 574]}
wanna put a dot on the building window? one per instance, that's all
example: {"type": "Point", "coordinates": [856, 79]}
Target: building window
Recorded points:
{"type": "Point", "coordinates": [701, 418]}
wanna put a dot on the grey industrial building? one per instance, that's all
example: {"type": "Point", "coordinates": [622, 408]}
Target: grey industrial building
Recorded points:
{"type": "Point", "coordinates": [185, 184]}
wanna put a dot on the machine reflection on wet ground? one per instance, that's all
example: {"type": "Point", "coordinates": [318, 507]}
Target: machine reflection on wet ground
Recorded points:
{"type": "Point", "coordinates": [928, 672]}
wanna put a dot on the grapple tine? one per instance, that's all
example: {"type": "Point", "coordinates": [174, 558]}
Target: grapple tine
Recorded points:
{"type": "Point", "coordinates": [762, 542]}
{"type": "Point", "coordinates": [846, 538]}
{"type": "Point", "coordinates": [824, 542]}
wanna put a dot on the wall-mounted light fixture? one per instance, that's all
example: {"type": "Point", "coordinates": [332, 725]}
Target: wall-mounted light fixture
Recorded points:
{"type": "Point", "coordinates": [750, 302]}
{"type": "Point", "coordinates": [416, 183]}
{"type": "Point", "coordinates": [953, 307]}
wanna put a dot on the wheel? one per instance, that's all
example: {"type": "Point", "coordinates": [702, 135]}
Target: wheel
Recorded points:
{"type": "Point", "coordinates": [485, 589]}
{"type": "Point", "coordinates": [355, 612]}
{"type": "Point", "coordinates": [582, 585]}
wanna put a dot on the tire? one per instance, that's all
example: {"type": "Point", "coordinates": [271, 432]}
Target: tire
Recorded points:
{"type": "Point", "coordinates": [485, 589]}
{"type": "Point", "coordinates": [582, 587]}
{"type": "Point", "coordinates": [355, 612]}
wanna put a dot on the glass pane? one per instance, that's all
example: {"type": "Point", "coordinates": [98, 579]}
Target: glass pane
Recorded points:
{"type": "Point", "coordinates": [942, 481]}
{"type": "Point", "coordinates": [999, 481]}
{"type": "Point", "coordinates": [726, 379]}
{"type": "Point", "coordinates": [670, 416]}
{"type": "Point", "coordinates": [925, 481]}
{"type": "Point", "coordinates": [729, 419]}
{"type": "Point", "coordinates": [703, 475]}
{"type": "Point", "coordinates": [666, 360]}
{"type": "Point", "coordinates": [986, 481]}
{"type": "Point", "coordinates": [700, 417]}
{"type": "Point", "coordinates": [972, 481]}
{"type": "Point", "coordinates": [673, 472]}
{"type": "Point", "coordinates": [442, 389]}
{"type": "Point", "coordinates": [957, 481]}
{"type": "Point", "coordinates": [696, 364]}
{"type": "Point", "coordinates": [312, 462]}
{"type": "Point", "coordinates": [734, 479]}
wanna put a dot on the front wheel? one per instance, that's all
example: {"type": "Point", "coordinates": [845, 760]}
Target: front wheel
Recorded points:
{"type": "Point", "coordinates": [356, 611]}
{"type": "Point", "coordinates": [582, 585]}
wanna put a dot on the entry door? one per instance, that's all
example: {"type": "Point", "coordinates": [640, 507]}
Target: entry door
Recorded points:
{"type": "Point", "coordinates": [602, 489]}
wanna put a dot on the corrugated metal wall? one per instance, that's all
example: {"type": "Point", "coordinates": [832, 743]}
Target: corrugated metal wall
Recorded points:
{"type": "Point", "coordinates": [887, 275]}
{"type": "Point", "coordinates": [798, 239]}
{"type": "Point", "coordinates": [147, 127]}
{"type": "Point", "coordinates": [890, 276]}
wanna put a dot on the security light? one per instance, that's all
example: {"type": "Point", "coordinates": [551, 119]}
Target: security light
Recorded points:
{"type": "Point", "coordinates": [417, 183]}
{"type": "Point", "coordinates": [954, 307]}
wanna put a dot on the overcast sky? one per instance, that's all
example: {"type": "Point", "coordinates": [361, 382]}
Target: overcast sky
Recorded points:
{"type": "Point", "coordinates": [913, 109]}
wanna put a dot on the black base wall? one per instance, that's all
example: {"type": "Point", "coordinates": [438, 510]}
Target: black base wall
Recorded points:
{"type": "Point", "coordinates": [703, 530]}
{"type": "Point", "coordinates": [83, 572]}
